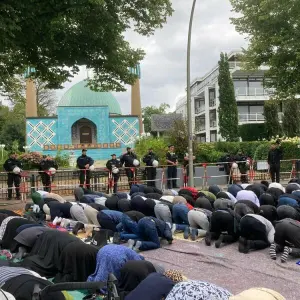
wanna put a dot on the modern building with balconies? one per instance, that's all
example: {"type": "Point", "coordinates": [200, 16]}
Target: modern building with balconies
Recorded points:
{"type": "Point", "coordinates": [250, 97]}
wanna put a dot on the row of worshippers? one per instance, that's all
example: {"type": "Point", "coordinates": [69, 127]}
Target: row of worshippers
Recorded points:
{"type": "Point", "coordinates": [56, 254]}
{"type": "Point", "coordinates": [248, 214]}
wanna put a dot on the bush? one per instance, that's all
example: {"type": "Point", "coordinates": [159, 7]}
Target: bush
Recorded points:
{"type": "Point", "coordinates": [207, 152]}
{"type": "Point", "coordinates": [252, 132]}
{"type": "Point", "coordinates": [63, 160]}
{"type": "Point", "coordinates": [262, 151]}
{"type": "Point", "coordinates": [31, 160]}
{"type": "Point", "coordinates": [159, 146]}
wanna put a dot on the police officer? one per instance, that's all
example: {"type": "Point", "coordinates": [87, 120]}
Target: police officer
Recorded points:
{"type": "Point", "coordinates": [274, 157]}
{"type": "Point", "coordinates": [172, 162]}
{"type": "Point", "coordinates": [47, 163]}
{"type": "Point", "coordinates": [243, 167]}
{"type": "Point", "coordinates": [83, 163]}
{"type": "Point", "coordinates": [150, 170]}
{"type": "Point", "coordinates": [127, 159]}
{"type": "Point", "coordinates": [114, 164]}
{"type": "Point", "coordinates": [13, 178]}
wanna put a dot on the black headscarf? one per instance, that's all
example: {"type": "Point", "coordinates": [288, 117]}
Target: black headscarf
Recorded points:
{"type": "Point", "coordinates": [149, 207]}
{"type": "Point", "coordinates": [269, 212]}
{"type": "Point", "coordinates": [2, 217]}
{"type": "Point", "coordinates": [155, 196]}
{"type": "Point", "coordinates": [266, 199]}
{"type": "Point", "coordinates": [124, 205]}
{"type": "Point", "coordinates": [138, 203]}
{"type": "Point", "coordinates": [77, 262]}
{"type": "Point", "coordinates": [133, 273]}
{"type": "Point", "coordinates": [112, 202]}
{"type": "Point", "coordinates": [203, 202]}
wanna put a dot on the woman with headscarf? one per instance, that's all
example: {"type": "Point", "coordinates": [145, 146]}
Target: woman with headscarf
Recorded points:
{"type": "Point", "coordinates": [110, 259]}
{"type": "Point", "coordinates": [155, 286]}
{"type": "Point", "coordinates": [287, 211]}
{"type": "Point", "coordinates": [199, 223]}
{"type": "Point", "coordinates": [132, 274]}
{"type": "Point", "coordinates": [58, 211]}
{"type": "Point", "coordinates": [289, 199]}
{"type": "Point", "coordinates": [4, 223]}
{"type": "Point", "coordinates": [256, 233]}
{"type": "Point", "coordinates": [77, 262]}
{"type": "Point", "coordinates": [258, 294]}
{"type": "Point", "coordinates": [193, 289]}
{"type": "Point", "coordinates": [124, 205]}
{"type": "Point", "coordinates": [267, 199]}
{"type": "Point", "coordinates": [222, 203]}
{"type": "Point", "coordinates": [286, 239]}
{"type": "Point", "coordinates": [234, 189]}
{"type": "Point", "coordinates": [203, 202]}
{"type": "Point", "coordinates": [269, 212]}
{"type": "Point", "coordinates": [247, 195]}
{"type": "Point", "coordinates": [214, 189]}
{"type": "Point", "coordinates": [163, 210]}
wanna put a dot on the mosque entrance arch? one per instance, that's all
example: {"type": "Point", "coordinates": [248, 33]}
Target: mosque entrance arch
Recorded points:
{"type": "Point", "coordinates": [84, 131]}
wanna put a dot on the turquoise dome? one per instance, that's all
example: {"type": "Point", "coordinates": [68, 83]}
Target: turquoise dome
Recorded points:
{"type": "Point", "coordinates": [80, 95]}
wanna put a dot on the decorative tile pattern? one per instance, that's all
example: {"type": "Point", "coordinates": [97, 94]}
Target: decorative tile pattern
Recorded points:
{"type": "Point", "coordinates": [40, 134]}
{"type": "Point", "coordinates": [125, 131]}
{"type": "Point", "coordinates": [82, 146]}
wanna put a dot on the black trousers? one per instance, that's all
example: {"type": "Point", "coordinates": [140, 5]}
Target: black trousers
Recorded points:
{"type": "Point", "coordinates": [85, 175]}
{"type": "Point", "coordinates": [13, 180]}
{"type": "Point", "coordinates": [46, 180]}
{"type": "Point", "coordinates": [115, 179]}
{"type": "Point", "coordinates": [255, 231]}
{"type": "Point", "coordinates": [151, 175]}
{"type": "Point", "coordinates": [223, 223]}
{"type": "Point", "coordinates": [106, 222]}
{"type": "Point", "coordinates": [171, 174]}
{"type": "Point", "coordinates": [275, 172]}
{"type": "Point", "coordinates": [130, 175]}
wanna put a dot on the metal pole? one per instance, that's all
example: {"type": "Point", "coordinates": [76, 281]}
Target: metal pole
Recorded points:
{"type": "Point", "coordinates": [188, 96]}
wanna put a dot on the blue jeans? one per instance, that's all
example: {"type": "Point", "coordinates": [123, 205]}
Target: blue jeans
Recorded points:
{"type": "Point", "coordinates": [148, 235]}
{"type": "Point", "coordinates": [180, 216]}
{"type": "Point", "coordinates": [129, 228]}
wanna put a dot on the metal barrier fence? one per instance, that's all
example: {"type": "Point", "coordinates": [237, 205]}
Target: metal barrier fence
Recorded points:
{"type": "Point", "coordinates": [63, 182]}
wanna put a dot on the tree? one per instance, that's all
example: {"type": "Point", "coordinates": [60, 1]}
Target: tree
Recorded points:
{"type": "Point", "coordinates": [228, 112]}
{"type": "Point", "coordinates": [46, 98]}
{"type": "Point", "coordinates": [272, 125]}
{"type": "Point", "coordinates": [291, 117]}
{"type": "Point", "coordinates": [273, 30]}
{"type": "Point", "coordinates": [151, 110]}
{"type": "Point", "coordinates": [56, 37]}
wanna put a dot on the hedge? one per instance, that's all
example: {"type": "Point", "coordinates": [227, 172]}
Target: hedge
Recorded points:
{"type": "Point", "coordinates": [212, 152]}
{"type": "Point", "coordinates": [252, 132]}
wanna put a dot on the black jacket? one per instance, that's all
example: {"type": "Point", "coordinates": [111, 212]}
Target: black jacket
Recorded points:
{"type": "Point", "coordinates": [274, 156]}
{"type": "Point", "coordinates": [127, 158]}
{"type": "Point", "coordinates": [84, 160]}
{"type": "Point", "coordinates": [113, 163]}
{"type": "Point", "coordinates": [47, 164]}
{"type": "Point", "coordinates": [171, 157]}
{"type": "Point", "coordinates": [148, 158]}
{"type": "Point", "coordinates": [11, 163]}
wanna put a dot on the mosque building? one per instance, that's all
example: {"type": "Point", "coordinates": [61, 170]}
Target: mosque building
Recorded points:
{"type": "Point", "coordinates": [85, 120]}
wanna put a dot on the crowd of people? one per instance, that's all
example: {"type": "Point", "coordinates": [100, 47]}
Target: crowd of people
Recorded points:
{"type": "Point", "coordinates": [110, 233]}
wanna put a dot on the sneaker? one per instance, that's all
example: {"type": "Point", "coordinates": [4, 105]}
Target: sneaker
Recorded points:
{"type": "Point", "coordinates": [285, 254]}
{"type": "Point", "coordinates": [55, 221]}
{"type": "Point", "coordinates": [173, 229]}
{"type": "Point", "coordinates": [117, 238]}
{"type": "Point", "coordinates": [131, 243]}
{"type": "Point", "coordinates": [194, 234]}
{"type": "Point", "coordinates": [272, 251]}
{"type": "Point", "coordinates": [219, 241]}
{"type": "Point", "coordinates": [137, 246]}
{"type": "Point", "coordinates": [186, 233]}
{"type": "Point", "coordinates": [208, 238]}
{"type": "Point", "coordinates": [243, 245]}
{"type": "Point", "coordinates": [77, 227]}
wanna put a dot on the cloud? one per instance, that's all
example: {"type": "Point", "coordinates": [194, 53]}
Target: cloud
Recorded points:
{"type": "Point", "coordinates": [164, 67]}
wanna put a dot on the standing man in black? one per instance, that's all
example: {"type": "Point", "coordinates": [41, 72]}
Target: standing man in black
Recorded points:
{"type": "Point", "coordinates": [274, 157]}
{"type": "Point", "coordinates": [113, 166]}
{"type": "Point", "coordinates": [150, 170]}
{"type": "Point", "coordinates": [13, 178]}
{"type": "Point", "coordinates": [172, 162]}
{"type": "Point", "coordinates": [127, 159]}
{"type": "Point", "coordinates": [46, 175]}
{"type": "Point", "coordinates": [83, 163]}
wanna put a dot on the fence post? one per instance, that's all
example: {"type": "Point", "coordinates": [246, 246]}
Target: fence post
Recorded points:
{"type": "Point", "coordinates": [162, 178]}
{"type": "Point", "coordinates": [204, 181]}
{"type": "Point", "coordinates": [32, 184]}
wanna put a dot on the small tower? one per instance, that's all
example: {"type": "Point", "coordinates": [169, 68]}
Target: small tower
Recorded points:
{"type": "Point", "coordinates": [136, 106]}
{"type": "Point", "coordinates": [31, 104]}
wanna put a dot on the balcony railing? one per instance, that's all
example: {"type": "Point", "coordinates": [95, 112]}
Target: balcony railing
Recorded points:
{"type": "Point", "coordinates": [212, 103]}
{"type": "Point", "coordinates": [245, 91]}
{"type": "Point", "coordinates": [213, 123]}
{"type": "Point", "coordinates": [199, 127]}
{"type": "Point", "coordinates": [250, 118]}
{"type": "Point", "coordinates": [199, 110]}
{"type": "Point", "coordinates": [234, 64]}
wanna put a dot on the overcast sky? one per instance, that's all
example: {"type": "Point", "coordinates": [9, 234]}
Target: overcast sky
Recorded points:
{"type": "Point", "coordinates": [164, 67]}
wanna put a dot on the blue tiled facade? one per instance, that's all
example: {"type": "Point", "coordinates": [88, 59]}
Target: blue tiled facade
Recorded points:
{"type": "Point", "coordinates": [114, 133]}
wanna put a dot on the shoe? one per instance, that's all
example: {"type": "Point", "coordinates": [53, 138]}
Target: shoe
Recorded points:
{"type": "Point", "coordinates": [208, 238]}
{"type": "Point", "coordinates": [272, 251]}
{"type": "Point", "coordinates": [117, 238]}
{"type": "Point", "coordinates": [219, 241]}
{"type": "Point", "coordinates": [173, 229]}
{"type": "Point", "coordinates": [194, 234]}
{"type": "Point", "coordinates": [243, 245]}
{"type": "Point", "coordinates": [285, 254]}
{"type": "Point", "coordinates": [54, 222]}
{"type": "Point", "coordinates": [186, 233]}
{"type": "Point", "coordinates": [77, 227]}
{"type": "Point", "coordinates": [131, 243]}
{"type": "Point", "coordinates": [137, 246]}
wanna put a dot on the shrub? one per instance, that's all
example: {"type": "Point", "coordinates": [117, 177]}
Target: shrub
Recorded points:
{"type": "Point", "coordinates": [31, 160]}
{"type": "Point", "coordinates": [63, 160]}
{"type": "Point", "coordinates": [252, 132]}
{"type": "Point", "coordinates": [262, 151]}
{"type": "Point", "coordinates": [272, 125]}
{"type": "Point", "coordinates": [207, 152]}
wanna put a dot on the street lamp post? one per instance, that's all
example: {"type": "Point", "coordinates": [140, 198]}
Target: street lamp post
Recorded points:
{"type": "Point", "coordinates": [188, 100]}
{"type": "Point", "coordinates": [2, 146]}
